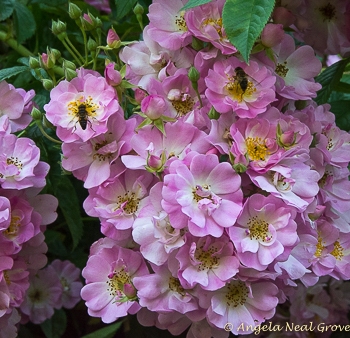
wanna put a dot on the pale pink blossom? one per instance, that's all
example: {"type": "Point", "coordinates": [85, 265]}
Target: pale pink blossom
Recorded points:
{"type": "Point", "coordinates": [16, 104]}
{"type": "Point", "coordinates": [163, 292]}
{"type": "Point", "coordinates": [8, 324]}
{"type": "Point", "coordinates": [205, 196]}
{"type": "Point", "coordinates": [180, 139]}
{"type": "Point", "coordinates": [207, 261]}
{"type": "Point", "coordinates": [240, 302]}
{"type": "Point", "coordinates": [69, 275]}
{"type": "Point", "coordinates": [167, 24]}
{"type": "Point", "coordinates": [225, 91]}
{"type": "Point", "coordinates": [19, 164]}
{"type": "Point", "coordinates": [110, 275]}
{"type": "Point", "coordinates": [205, 23]}
{"type": "Point", "coordinates": [264, 231]}
{"type": "Point", "coordinates": [147, 59]}
{"type": "Point", "coordinates": [91, 161]}
{"type": "Point", "coordinates": [119, 200]}
{"type": "Point", "coordinates": [43, 295]}
{"type": "Point", "coordinates": [87, 93]}
{"type": "Point", "coordinates": [153, 231]}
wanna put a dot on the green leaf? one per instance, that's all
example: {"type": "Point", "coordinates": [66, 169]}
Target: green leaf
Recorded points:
{"type": "Point", "coordinates": [56, 325]}
{"type": "Point", "coordinates": [124, 7]}
{"type": "Point", "coordinates": [167, 118]}
{"type": "Point", "coordinates": [24, 60]}
{"type": "Point", "coordinates": [160, 125]}
{"type": "Point", "coordinates": [144, 123]}
{"type": "Point", "coordinates": [7, 7]}
{"type": "Point", "coordinates": [123, 71]}
{"type": "Point", "coordinates": [8, 72]}
{"type": "Point", "coordinates": [69, 204]}
{"type": "Point", "coordinates": [126, 84]}
{"type": "Point", "coordinates": [341, 111]}
{"type": "Point", "coordinates": [342, 87]}
{"type": "Point", "coordinates": [244, 20]}
{"type": "Point", "coordinates": [24, 332]}
{"type": "Point", "coordinates": [24, 22]}
{"type": "Point", "coordinates": [54, 241]}
{"type": "Point", "coordinates": [112, 6]}
{"type": "Point", "coordinates": [194, 3]}
{"type": "Point", "coordinates": [54, 3]}
{"type": "Point", "coordinates": [329, 79]}
{"type": "Point", "coordinates": [106, 332]}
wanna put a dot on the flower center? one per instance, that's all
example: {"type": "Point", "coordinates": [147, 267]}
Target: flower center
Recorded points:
{"type": "Point", "coordinates": [256, 148]}
{"type": "Point", "coordinates": [337, 251]}
{"type": "Point", "coordinates": [201, 192]}
{"type": "Point", "coordinates": [330, 144]}
{"type": "Point", "coordinates": [258, 229]}
{"type": "Point", "coordinates": [281, 69]}
{"type": "Point", "coordinates": [328, 12]}
{"type": "Point", "coordinates": [180, 22]}
{"type": "Point", "coordinates": [101, 157]}
{"type": "Point", "coordinates": [64, 284]}
{"type": "Point", "coordinates": [216, 23]}
{"type": "Point", "coordinates": [175, 285]}
{"type": "Point", "coordinates": [15, 161]}
{"type": "Point", "coordinates": [184, 105]}
{"type": "Point", "coordinates": [282, 183]}
{"type": "Point", "coordinates": [237, 294]}
{"type": "Point", "coordinates": [168, 227]}
{"type": "Point", "coordinates": [6, 277]}
{"type": "Point", "coordinates": [81, 107]}
{"type": "Point", "coordinates": [116, 281]}
{"type": "Point", "coordinates": [37, 296]}
{"type": "Point", "coordinates": [239, 86]}
{"type": "Point", "coordinates": [323, 180]}
{"type": "Point", "coordinates": [228, 137]}
{"type": "Point", "coordinates": [207, 258]}
{"type": "Point", "coordinates": [11, 231]}
{"type": "Point", "coordinates": [128, 203]}
{"type": "Point", "coordinates": [320, 245]}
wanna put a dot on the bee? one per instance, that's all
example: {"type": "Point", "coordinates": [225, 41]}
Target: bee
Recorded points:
{"type": "Point", "coordinates": [240, 84]}
{"type": "Point", "coordinates": [241, 79]}
{"type": "Point", "coordinates": [83, 116]}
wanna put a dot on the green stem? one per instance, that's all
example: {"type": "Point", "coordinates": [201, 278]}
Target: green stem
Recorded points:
{"type": "Point", "coordinates": [159, 175]}
{"type": "Point", "coordinates": [85, 44]}
{"type": "Point", "coordinates": [99, 37]}
{"type": "Point", "coordinates": [38, 123]}
{"type": "Point", "coordinates": [15, 45]}
{"type": "Point", "coordinates": [119, 63]}
{"type": "Point", "coordinates": [21, 133]}
{"type": "Point", "coordinates": [199, 98]}
{"type": "Point", "coordinates": [139, 19]}
{"type": "Point", "coordinates": [71, 52]}
{"type": "Point", "coordinates": [75, 50]}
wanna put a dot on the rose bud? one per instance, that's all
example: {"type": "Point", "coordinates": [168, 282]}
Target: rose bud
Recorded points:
{"type": "Point", "coordinates": [112, 76]}
{"type": "Point", "coordinates": [139, 95]}
{"type": "Point", "coordinates": [153, 106]}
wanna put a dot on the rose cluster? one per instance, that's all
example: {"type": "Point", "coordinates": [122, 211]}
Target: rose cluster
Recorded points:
{"type": "Point", "coordinates": [26, 292]}
{"type": "Point", "coordinates": [223, 196]}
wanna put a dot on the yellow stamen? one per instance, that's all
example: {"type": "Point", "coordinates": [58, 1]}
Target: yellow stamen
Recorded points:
{"type": "Point", "coordinates": [256, 148]}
